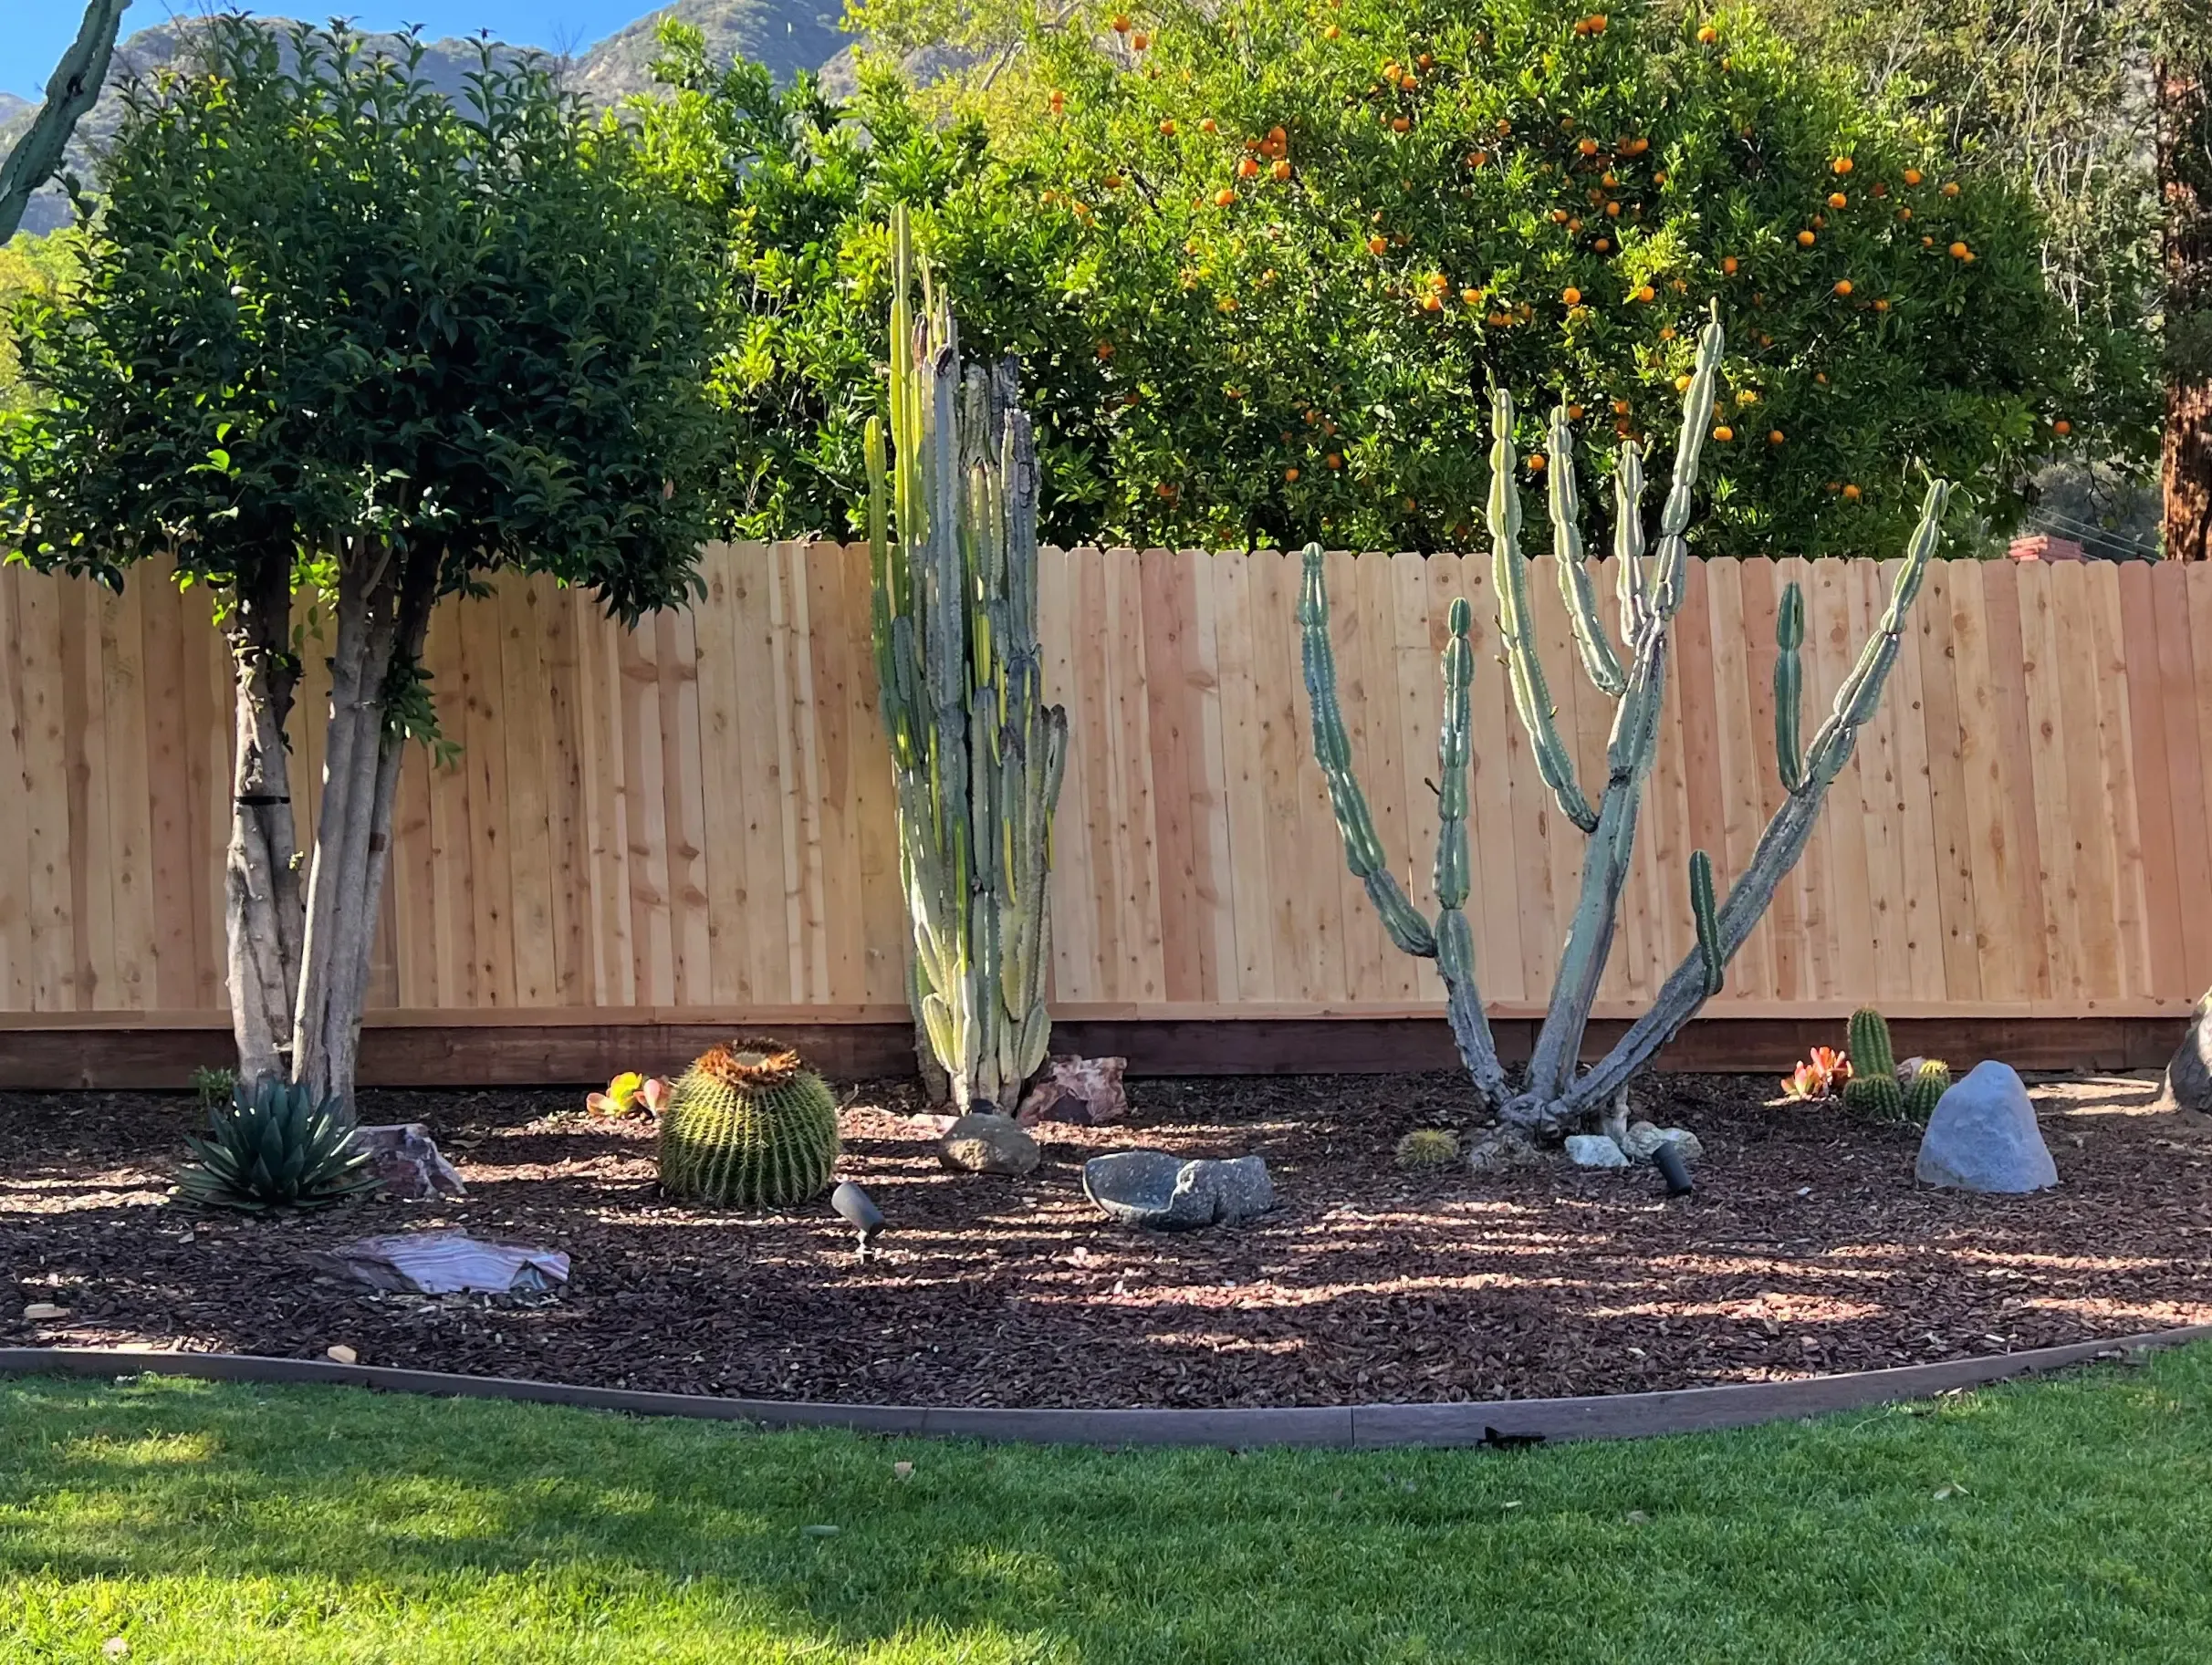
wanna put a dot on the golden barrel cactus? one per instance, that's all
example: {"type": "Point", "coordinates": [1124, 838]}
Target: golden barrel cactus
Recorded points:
{"type": "Point", "coordinates": [749, 1124]}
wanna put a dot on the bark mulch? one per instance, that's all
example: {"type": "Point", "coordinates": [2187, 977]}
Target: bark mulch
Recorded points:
{"type": "Point", "coordinates": [1807, 1248]}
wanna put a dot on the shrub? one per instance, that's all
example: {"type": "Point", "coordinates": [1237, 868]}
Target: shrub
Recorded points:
{"type": "Point", "coordinates": [276, 1145]}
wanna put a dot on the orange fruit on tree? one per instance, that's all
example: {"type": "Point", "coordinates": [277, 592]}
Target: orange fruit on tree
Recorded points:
{"type": "Point", "coordinates": [1247, 169]}
{"type": "Point", "coordinates": [1602, 246]}
{"type": "Point", "coordinates": [1882, 304]}
{"type": "Point", "coordinates": [1331, 32]}
{"type": "Point", "coordinates": [1504, 127]}
{"type": "Point", "coordinates": [1558, 216]}
{"type": "Point", "coordinates": [1905, 213]}
{"type": "Point", "coordinates": [1613, 211]}
{"type": "Point", "coordinates": [2061, 427]}
{"type": "Point", "coordinates": [1774, 437]}
{"type": "Point", "coordinates": [1728, 265]}
{"type": "Point", "coordinates": [1707, 35]}
{"type": "Point", "coordinates": [1851, 492]}
{"type": "Point", "coordinates": [1571, 295]}
{"type": "Point", "coordinates": [1610, 180]}
{"type": "Point", "coordinates": [1430, 303]}
{"type": "Point", "coordinates": [1844, 285]}
{"type": "Point", "coordinates": [1820, 377]}
{"type": "Point", "coordinates": [1620, 406]}
{"type": "Point", "coordinates": [1535, 462]}
{"type": "Point", "coordinates": [1281, 170]}
{"type": "Point", "coordinates": [1589, 147]}
{"type": "Point", "coordinates": [1960, 250]}
{"type": "Point", "coordinates": [1167, 128]}
{"type": "Point", "coordinates": [1659, 178]}
{"type": "Point", "coordinates": [1951, 189]}
{"type": "Point", "coordinates": [1574, 414]}
{"type": "Point", "coordinates": [1472, 296]}
{"type": "Point", "coordinates": [1209, 126]}
{"type": "Point", "coordinates": [1836, 199]}
{"type": "Point", "coordinates": [1376, 245]}
{"type": "Point", "coordinates": [1667, 334]}
{"type": "Point", "coordinates": [1574, 224]}
{"type": "Point", "coordinates": [1290, 476]}
{"type": "Point", "coordinates": [1681, 384]}
{"type": "Point", "coordinates": [1843, 164]}
{"type": "Point", "coordinates": [1723, 433]}
{"type": "Point", "coordinates": [1333, 459]}
{"type": "Point", "coordinates": [1912, 176]}
{"type": "Point", "coordinates": [1139, 41]}
{"type": "Point", "coordinates": [1478, 158]}
{"type": "Point", "coordinates": [1120, 23]}
{"type": "Point", "coordinates": [1398, 124]}
{"type": "Point", "coordinates": [1114, 181]}
{"type": "Point", "coordinates": [1105, 349]}
{"type": "Point", "coordinates": [1059, 101]}
{"type": "Point", "coordinates": [1224, 197]}
{"type": "Point", "coordinates": [1805, 239]}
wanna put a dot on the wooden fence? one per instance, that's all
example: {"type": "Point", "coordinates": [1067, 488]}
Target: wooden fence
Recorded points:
{"type": "Point", "coordinates": [692, 821]}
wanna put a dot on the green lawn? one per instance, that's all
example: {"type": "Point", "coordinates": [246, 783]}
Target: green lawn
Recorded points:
{"type": "Point", "coordinates": [2068, 1521]}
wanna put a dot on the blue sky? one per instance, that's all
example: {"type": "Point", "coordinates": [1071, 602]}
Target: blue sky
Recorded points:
{"type": "Point", "coordinates": [34, 34]}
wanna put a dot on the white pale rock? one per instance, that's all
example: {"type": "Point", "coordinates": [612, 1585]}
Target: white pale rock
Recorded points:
{"type": "Point", "coordinates": [39, 1311]}
{"type": "Point", "coordinates": [1983, 1136]}
{"type": "Point", "coordinates": [341, 1353]}
{"type": "Point", "coordinates": [1594, 1150]}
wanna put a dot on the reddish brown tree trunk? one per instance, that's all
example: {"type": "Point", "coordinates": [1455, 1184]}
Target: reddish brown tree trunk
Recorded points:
{"type": "Point", "coordinates": [2185, 179]}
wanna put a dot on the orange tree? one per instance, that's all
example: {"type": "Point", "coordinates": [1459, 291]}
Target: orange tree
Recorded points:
{"type": "Point", "coordinates": [1280, 250]}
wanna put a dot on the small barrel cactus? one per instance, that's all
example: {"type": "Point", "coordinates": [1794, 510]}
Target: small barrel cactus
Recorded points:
{"type": "Point", "coordinates": [1873, 1089]}
{"type": "Point", "coordinates": [1929, 1085]}
{"type": "Point", "coordinates": [1426, 1148]}
{"type": "Point", "coordinates": [749, 1124]}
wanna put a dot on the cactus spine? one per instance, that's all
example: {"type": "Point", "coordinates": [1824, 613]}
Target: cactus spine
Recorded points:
{"type": "Point", "coordinates": [1650, 591]}
{"type": "Point", "coordinates": [749, 1125]}
{"type": "Point", "coordinates": [1873, 1089]}
{"type": "Point", "coordinates": [1930, 1082]}
{"type": "Point", "coordinates": [976, 755]}
{"type": "Point", "coordinates": [1426, 1148]}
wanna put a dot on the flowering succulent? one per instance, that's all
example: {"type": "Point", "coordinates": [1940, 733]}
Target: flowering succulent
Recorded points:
{"type": "Point", "coordinates": [1818, 1076]}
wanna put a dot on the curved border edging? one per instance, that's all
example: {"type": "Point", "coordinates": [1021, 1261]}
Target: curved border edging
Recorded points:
{"type": "Point", "coordinates": [1618, 1416]}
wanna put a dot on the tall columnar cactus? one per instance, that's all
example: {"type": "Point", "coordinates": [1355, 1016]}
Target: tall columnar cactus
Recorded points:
{"type": "Point", "coordinates": [749, 1125]}
{"type": "Point", "coordinates": [1650, 591]}
{"type": "Point", "coordinates": [1873, 1088]}
{"type": "Point", "coordinates": [976, 755]}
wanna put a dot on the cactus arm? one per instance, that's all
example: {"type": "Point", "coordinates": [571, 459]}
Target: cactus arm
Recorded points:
{"type": "Point", "coordinates": [74, 87]}
{"type": "Point", "coordinates": [1363, 852]}
{"type": "Point", "coordinates": [1709, 928]}
{"type": "Point", "coordinates": [1780, 845]}
{"type": "Point", "coordinates": [1790, 687]}
{"type": "Point", "coordinates": [1517, 624]}
{"type": "Point", "coordinates": [1599, 662]}
{"type": "Point", "coordinates": [1633, 587]}
{"type": "Point", "coordinates": [1651, 600]}
{"type": "Point", "coordinates": [1455, 938]}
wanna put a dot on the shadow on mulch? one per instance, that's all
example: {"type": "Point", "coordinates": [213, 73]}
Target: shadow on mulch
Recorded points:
{"type": "Point", "coordinates": [1807, 1248]}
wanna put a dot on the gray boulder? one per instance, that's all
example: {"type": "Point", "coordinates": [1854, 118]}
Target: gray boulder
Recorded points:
{"type": "Point", "coordinates": [1594, 1150]}
{"type": "Point", "coordinates": [1983, 1136]}
{"type": "Point", "coordinates": [1161, 1191]}
{"type": "Point", "coordinates": [2188, 1078]}
{"type": "Point", "coordinates": [1500, 1149]}
{"type": "Point", "coordinates": [988, 1144]}
{"type": "Point", "coordinates": [1644, 1139]}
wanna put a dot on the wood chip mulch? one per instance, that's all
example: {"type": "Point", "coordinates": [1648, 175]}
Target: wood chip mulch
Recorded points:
{"type": "Point", "coordinates": [1807, 1248]}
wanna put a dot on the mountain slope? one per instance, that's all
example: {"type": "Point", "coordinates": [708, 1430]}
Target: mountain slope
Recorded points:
{"type": "Point", "coordinates": [787, 35]}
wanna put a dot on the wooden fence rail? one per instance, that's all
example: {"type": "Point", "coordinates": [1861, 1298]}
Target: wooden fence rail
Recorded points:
{"type": "Point", "coordinates": [693, 819]}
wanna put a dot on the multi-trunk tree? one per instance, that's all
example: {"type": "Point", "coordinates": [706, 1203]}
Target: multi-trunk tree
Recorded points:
{"type": "Point", "coordinates": [334, 331]}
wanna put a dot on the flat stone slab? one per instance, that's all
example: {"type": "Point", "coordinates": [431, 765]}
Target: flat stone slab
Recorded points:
{"type": "Point", "coordinates": [1162, 1192]}
{"type": "Point", "coordinates": [444, 1263]}
{"type": "Point", "coordinates": [1983, 1136]}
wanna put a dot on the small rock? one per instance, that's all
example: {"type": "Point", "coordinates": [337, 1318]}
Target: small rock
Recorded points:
{"type": "Point", "coordinates": [1161, 1191]}
{"type": "Point", "coordinates": [341, 1353]}
{"type": "Point", "coordinates": [820, 1532]}
{"type": "Point", "coordinates": [116, 1648]}
{"type": "Point", "coordinates": [1085, 1091]}
{"type": "Point", "coordinates": [988, 1144]}
{"type": "Point", "coordinates": [406, 1163]}
{"type": "Point", "coordinates": [1907, 1069]}
{"type": "Point", "coordinates": [1502, 1148]}
{"type": "Point", "coordinates": [40, 1312]}
{"type": "Point", "coordinates": [1594, 1150]}
{"type": "Point", "coordinates": [1644, 1139]}
{"type": "Point", "coordinates": [1983, 1136]}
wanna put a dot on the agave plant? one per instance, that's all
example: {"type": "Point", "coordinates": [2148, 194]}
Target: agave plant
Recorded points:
{"type": "Point", "coordinates": [276, 1145]}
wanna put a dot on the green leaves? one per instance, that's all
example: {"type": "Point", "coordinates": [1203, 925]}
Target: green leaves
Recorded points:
{"type": "Point", "coordinates": [324, 303]}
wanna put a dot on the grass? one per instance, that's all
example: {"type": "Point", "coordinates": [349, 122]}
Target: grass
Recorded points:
{"type": "Point", "coordinates": [2064, 1520]}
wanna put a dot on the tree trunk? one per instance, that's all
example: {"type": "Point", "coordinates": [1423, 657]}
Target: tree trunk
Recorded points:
{"type": "Point", "coordinates": [262, 919]}
{"type": "Point", "coordinates": [2185, 180]}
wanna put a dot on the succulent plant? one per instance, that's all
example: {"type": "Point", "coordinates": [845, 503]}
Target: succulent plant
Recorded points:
{"type": "Point", "coordinates": [748, 1124]}
{"type": "Point", "coordinates": [1426, 1148]}
{"type": "Point", "coordinates": [1928, 1086]}
{"type": "Point", "coordinates": [276, 1145]}
{"type": "Point", "coordinates": [628, 1093]}
{"type": "Point", "coordinates": [1819, 1076]}
{"type": "Point", "coordinates": [1874, 1089]}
